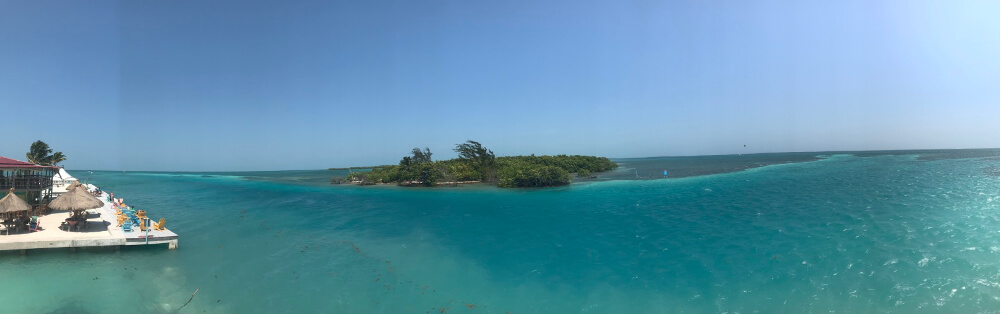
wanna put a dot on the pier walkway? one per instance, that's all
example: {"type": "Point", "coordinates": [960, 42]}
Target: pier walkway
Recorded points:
{"type": "Point", "coordinates": [100, 232]}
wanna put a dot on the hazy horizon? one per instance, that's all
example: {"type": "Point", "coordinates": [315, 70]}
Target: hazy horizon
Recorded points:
{"type": "Point", "coordinates": [888, 152]}
{"type": "Point", "coordinates": [235, 86]}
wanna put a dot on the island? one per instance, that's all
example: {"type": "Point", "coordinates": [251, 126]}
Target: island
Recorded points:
{"type": "Point", "coordinates": [477, 164]}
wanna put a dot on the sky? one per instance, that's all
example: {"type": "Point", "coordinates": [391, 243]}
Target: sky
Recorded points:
{"type": "Point", "coordinates": [277, 85]}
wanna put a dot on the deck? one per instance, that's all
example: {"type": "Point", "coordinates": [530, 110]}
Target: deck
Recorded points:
{"type": "Point", "coordinates": [100, 232]}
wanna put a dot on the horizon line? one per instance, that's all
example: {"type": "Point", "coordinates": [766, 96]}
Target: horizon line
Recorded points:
{"type": "Point", "coordinates": [612, 158]}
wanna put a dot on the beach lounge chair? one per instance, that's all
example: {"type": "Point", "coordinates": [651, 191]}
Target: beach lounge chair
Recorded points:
{"type": "Point", "coordinates": [142, 225]}
{"type": "Point", "coordinates": [159, 225]}
{"type": "Point", "coordinates": [127, 227]}
{"type": "Point", "coordinates": [33, 224]}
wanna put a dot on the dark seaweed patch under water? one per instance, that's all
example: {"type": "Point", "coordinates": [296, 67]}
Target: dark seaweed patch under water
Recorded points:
{"type": "Point", "coordinates": [689, 166]}
{"type": "Point", "coordinates": [73, 306]}
{"type": "Point", "coordinates": [935, 154]}
{"type": "Point", "coordinates": [992, 171]}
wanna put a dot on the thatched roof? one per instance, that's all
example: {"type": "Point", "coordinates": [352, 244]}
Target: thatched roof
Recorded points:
{"type": "Point", "coordinates": [11, 203]}
{"type": "Point", "coordinates": [73, 185]}
{"type": "Point", "coordinates": [76, 200]}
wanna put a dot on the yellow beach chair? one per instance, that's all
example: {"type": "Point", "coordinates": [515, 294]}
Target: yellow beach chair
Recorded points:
{"type": "Point", "coordinates": [160, 225]}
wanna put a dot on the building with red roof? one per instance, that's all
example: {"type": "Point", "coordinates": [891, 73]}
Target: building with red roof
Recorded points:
{"type": "Point", "coordinates": [26, 177]}
{"type": "Point", "coordinates": [10, 163]}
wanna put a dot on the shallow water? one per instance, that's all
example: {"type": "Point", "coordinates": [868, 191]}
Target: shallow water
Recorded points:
{"type": "Point", "coordinates": [896, 232]}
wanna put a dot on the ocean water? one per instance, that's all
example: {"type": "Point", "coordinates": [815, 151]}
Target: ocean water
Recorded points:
{"type": "Point", "coordinates": [890, 232]}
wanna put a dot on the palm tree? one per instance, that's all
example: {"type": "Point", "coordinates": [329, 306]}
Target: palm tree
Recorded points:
{"type": "Point", "coordinates": [38, 153]}
{"type": "Point", "coordinates": [56, 158]}
{"type": "Point", "coordinates": [41, 154]}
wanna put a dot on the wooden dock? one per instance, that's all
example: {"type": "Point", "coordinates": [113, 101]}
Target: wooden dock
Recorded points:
{"type": "Point", "coordinates": [100, 232]}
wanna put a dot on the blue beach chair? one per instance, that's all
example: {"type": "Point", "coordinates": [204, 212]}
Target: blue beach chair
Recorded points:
{"type": "Point", "coordinates": [33, 225]}
{"type": "Point", "coordinates": [127, 227]}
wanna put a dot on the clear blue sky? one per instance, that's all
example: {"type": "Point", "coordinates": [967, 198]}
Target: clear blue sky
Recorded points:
{"type": "Point", "coordinates": [254, 85]}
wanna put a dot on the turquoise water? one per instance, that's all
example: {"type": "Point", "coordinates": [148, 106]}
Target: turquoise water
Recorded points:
{"type": "Point", "coordinates": [899, 232]}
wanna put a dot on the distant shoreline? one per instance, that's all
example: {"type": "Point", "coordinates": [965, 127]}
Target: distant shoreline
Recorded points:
{"type": "Point", "coordinates": [647, 168]}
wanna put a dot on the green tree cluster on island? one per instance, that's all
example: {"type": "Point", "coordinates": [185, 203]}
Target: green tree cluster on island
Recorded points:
{"type": "Point", "coordinates": [477, 163]}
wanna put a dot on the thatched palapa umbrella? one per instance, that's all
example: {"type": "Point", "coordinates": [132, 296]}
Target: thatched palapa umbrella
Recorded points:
{"type": "Point", "coordinates": [73, 185]}
{"type": "Point", "coordinates": [11, 204]}
{"type": "Point", "coordinates": [77, 199]}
